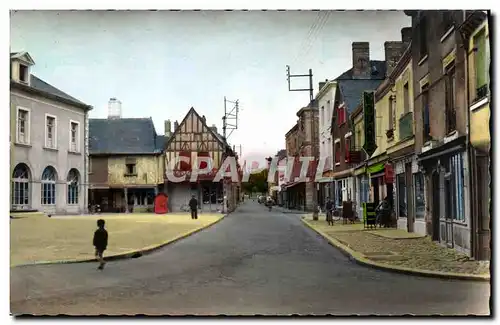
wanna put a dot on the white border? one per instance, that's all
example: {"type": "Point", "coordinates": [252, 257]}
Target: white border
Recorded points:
{"type": "Point", "coordinates": [54, 144]}
{"type": "Point", "coordinates": [77, 136]}
{"type": "Point", "coordinates": [28, 133]}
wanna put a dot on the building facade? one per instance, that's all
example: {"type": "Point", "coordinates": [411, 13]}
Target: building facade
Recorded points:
{"type": "Point", "coordinates": [441, 115]}
{"type": "Point", "coordinates": [475, 32]}
{"type": "Point", "coordinates": [194, 139]}
{"type": "Point", "coordinates": [126, 164]}
{"type": "Point", "coordinates": [48, 144]}
{"type": "Point", "coordinates": [325, 99]}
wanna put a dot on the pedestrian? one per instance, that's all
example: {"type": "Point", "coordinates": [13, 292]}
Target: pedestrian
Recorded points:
{"type": "Point", "coordinates": [193, 205]}
{"type": "Point", "coordinates": [329, 208]}
{"type": "Point", "coordinates": [100, 242]}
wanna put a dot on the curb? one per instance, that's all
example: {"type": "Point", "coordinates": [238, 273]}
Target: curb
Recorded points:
{"type": "Point", "coordinates": [353, 255]}
{"type": "Point", "coordinates": [129, 254]}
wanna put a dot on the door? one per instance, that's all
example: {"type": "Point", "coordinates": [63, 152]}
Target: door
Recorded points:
{"type": "Point", "coordinates": [449, 204]}
{"type": "Point", "coordinates": [409, 198]}
{"type": "Point", "coordinates": [435, 206]}
{"type": "Point", "coordinates": [376, 190]}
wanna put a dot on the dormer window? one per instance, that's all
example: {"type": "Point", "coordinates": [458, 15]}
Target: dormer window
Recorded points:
{"type": "Point", "coordinates": [23, 73]}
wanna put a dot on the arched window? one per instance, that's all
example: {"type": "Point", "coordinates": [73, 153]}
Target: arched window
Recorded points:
{"type": "Point", "coordinates": [49, 177]}
{"type": "Point", "coordinates": [73, 184]}
{"type": "Point", "coordinates": [21, 186]}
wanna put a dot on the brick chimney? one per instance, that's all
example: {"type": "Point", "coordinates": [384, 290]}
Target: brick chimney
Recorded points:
{"type": "Point", "coordinates": [406, 35]}
{"type": "Point", "coordinates": [361, 67]}
{"type": "Point", "coordinates": [168, 128]}
{"type": "Point", "coordinates": [393, 52]}
{"type": "Point", "coordinates": [176, 125]}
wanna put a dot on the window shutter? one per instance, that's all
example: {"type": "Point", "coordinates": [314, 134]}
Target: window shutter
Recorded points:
{"type": "Point", "coordinates": [347, 148]}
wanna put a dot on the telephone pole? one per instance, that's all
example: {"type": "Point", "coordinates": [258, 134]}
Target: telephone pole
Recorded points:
{"type": "Point", "coordinates": [230, 118]}
{"type": "Point", "coordinates": [313, 145]}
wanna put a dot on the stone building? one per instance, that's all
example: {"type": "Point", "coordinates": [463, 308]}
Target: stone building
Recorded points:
{"type": "Point", "coordinates": [48, 136]}
{"type": "Point", "coordinates": [441, 115]}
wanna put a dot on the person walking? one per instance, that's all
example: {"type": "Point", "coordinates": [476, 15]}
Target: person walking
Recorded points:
{"type": "Point", "coordinates": [329, 212]}
{"type": "Point", "coordinates": [100, 242]}
{"type": "Point", "coordinates": [193, 205]}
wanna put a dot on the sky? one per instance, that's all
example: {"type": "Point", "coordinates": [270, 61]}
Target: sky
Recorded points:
{"type": "Point", "coordinates": [161, 63]}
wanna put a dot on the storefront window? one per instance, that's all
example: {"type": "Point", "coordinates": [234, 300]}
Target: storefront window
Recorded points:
{"type": "Point", "coordinates": [401, 196]}
{"type": "Point", "coordinates": [457, 183]}
{"type": "Point", "coordinates": [419, 196]}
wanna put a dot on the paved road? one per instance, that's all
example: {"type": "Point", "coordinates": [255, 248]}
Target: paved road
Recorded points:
{"type": "Point", "coordinates": [252, 262]}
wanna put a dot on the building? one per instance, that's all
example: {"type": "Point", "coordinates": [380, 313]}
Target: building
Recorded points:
{"type": "Point", "coordinates": [365, 74]}
{"type": "Point", "coordinates": [48, 144]}
{"type": "Point", "coordinates": [126, 164]}
{"type": "Point", "coordinates": [302, 141]}
{"type": "Point", "coordinates": [325, 99]}
{"type": "Point", "coordinates": [274, 186]}
{"type": "Point", "coordinates": [194, 139]}
{"type": "Point", "coordinates": [361, 181]}
{"type": "Point", "coordinates": [475, 32]}
{"type": "Point", "coordinates": [441, 114]}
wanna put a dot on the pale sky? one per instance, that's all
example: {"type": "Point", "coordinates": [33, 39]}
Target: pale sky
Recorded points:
{"type": "Point", "coordinates": [160, 63]}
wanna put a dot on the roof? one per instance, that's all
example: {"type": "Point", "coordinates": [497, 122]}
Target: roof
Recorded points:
{"type": "Point", "coordinates": [378, 71]}
{"type": "Point", "coordinates": [124, 136]}
{"type": "Point", "coordinates": [43, 88]}
{"type": "Point", "coordinates": [352, 91]}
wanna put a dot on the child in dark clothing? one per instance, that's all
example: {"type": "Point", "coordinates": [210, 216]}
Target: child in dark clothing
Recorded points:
{"type": "Point", "coordinates": [100, 242]}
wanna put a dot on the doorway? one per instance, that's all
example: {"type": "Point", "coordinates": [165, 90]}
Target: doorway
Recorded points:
{"type": "Point", "coordinates": [435, 206]}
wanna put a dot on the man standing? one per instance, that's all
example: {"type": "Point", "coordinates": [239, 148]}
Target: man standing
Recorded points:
{"type": "Point", "coordinates": [329, 208]}
{"type": "Point", "coordinates": [193, 205]}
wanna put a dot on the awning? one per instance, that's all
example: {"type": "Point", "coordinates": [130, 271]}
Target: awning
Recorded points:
{"type": "Point", "coordinates": [380, 174]}
{"type": "Point", "coordinates": [444, 150]}
{"type": "Point", "coordinates": [375, 168]}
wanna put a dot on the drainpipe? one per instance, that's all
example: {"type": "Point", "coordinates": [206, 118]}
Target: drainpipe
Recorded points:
{"type": "Point", "coordinates": [468, 150]}
{"type": "Point", "coordinates": [85, 162]}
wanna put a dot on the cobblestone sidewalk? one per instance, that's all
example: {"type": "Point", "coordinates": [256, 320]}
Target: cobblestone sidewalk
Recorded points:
{"type": "Point", "coordinates": [70, 238]}
{"type": "Point", "coordinates": [393, 247]}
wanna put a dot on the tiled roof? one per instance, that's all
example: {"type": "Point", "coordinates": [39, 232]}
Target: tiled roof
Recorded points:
{"type": "Point", "coordinates": [378, 71]}
{"type": "Point", "coordinates": [352, 91]}
{"type": "Point", "coordinates": [124, 136]}
{"type": "Point", "coordinates": [41, 85]}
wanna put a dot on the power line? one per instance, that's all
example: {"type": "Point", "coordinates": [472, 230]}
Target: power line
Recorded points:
{"type": "Point", "coordinates": [318, 31]}
{"type": "Point", "coordinates": [309, 33]}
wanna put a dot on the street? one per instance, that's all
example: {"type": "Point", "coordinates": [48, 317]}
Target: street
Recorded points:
{"type": "Point", "coordinates": [252, 262]}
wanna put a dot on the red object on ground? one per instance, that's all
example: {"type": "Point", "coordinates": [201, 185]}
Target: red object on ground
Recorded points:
{"type": "Point", "coordinates": [161, 203]}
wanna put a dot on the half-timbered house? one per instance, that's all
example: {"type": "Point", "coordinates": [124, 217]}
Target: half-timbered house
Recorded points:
{"type": "Point", "coordinates": [193, 139]}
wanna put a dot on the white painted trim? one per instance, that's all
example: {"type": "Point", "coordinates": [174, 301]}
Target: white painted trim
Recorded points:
{"type": "Point", "coordinates": [422, 60]}
{"type": "Point", "coordinates": [336, 140]}
{"type": "Point", "coordinates": [424, 81]}
{"type": "Point", "coordinates": [348, 134]}
{"type": "Point", "coordinates": [445, 36]}
{"type": "Point", "coordinates": [480, 103]}
{"type": "Point", "coordinates": [77, 135]}
{"type": "Point", "coordinates": [27, 139]}
{"type": "Point", "coordinates": [76, 111]}
{"type": "Point", "coordinates": [451, 136]}
{"type": "Point", "coordinates": [54, 142]}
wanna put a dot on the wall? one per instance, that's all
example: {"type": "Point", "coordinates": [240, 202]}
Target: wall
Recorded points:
{"type": "Point", "coordinates": [381, 124]}
{"type": "Point", "coordinates": [36, 157]}
{"type": "Point", "coordinates": [148, 170]}
{"type": "Point", "coordinates": [325, 105]}
{"type": "Point", "coordinates": [405, 77]}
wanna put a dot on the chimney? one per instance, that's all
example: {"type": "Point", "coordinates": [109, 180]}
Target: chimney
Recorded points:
{"type": "Point", "coordinates": [214, 128]}
{"type": "Point", "coordinates": [361, 67]}
{"type": "Point", "coordinates": [393, 52]}
{"type": "Point", "coordinates": [114, 108]}
{"type": "Point", "coordinates": [406, 35]}
{"type": "Point", "coordinates": [322, 84]}
{"type": "Point", "coordinates": [176, 125]}
{"type": "Point", "coordinates": [168, 128]}
{"type": "Point", "coordinates": [204, 119]}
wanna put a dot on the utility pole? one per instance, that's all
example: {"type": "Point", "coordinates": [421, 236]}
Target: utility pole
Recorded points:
{"type": "Point", "coordinates": [230, 118]}
{"type": "Point", "coordinates": [312, 143]}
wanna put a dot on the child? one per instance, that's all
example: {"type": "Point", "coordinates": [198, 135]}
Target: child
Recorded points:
{"type": "Point", "coordinates": [100, 242]}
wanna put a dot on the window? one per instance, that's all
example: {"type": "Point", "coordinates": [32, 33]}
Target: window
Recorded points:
{"type": "Point", "coordinates": [447, 21]}
{"type": "Point", "coordinates": [49, 178]}
{"type": "Point", "coordinates": [391, 114]}
{"type": "Point", "coordinates": [73, 184]}
{"type": "Point", "coordinates": [50, 131]}
{"type": "Point", "coordinates": [422, 31]}
{"type": "Point", "coordinates": [322, 115]}
{"type": "Point", "coordinates": [426, 113]}
{"type": "Point", "coordinates": [341, 115]}
{"type": "Point", "coordinates": [406, 102]}
{"type": "Point", "coordinates": [481, 64]}
{"type": "Point", "coordinates": [456, 201]}
{"type": "Point", "coordinates": [348, 149]}
{"type": "Point", "coordinates": [419, 196]}
{"type": "Point", "coordinates": [74, 136]}
{"type": "Point", "coordinates": [23, 124]}
{"type": "Point", "coordinates": [23, 73]}
{"type": "Point", "coordinates": [130, 169]}
{"type": "Point", "coordinates": [450, 85]}
{"type": "Point", "coordinates": [337, 153]}
{"type": "Point", "coordinates": [365, 189]}
{"type": "Point", "coordinates": [20, 186]}
{"type": "Point", "coordinates": [402, 203]}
